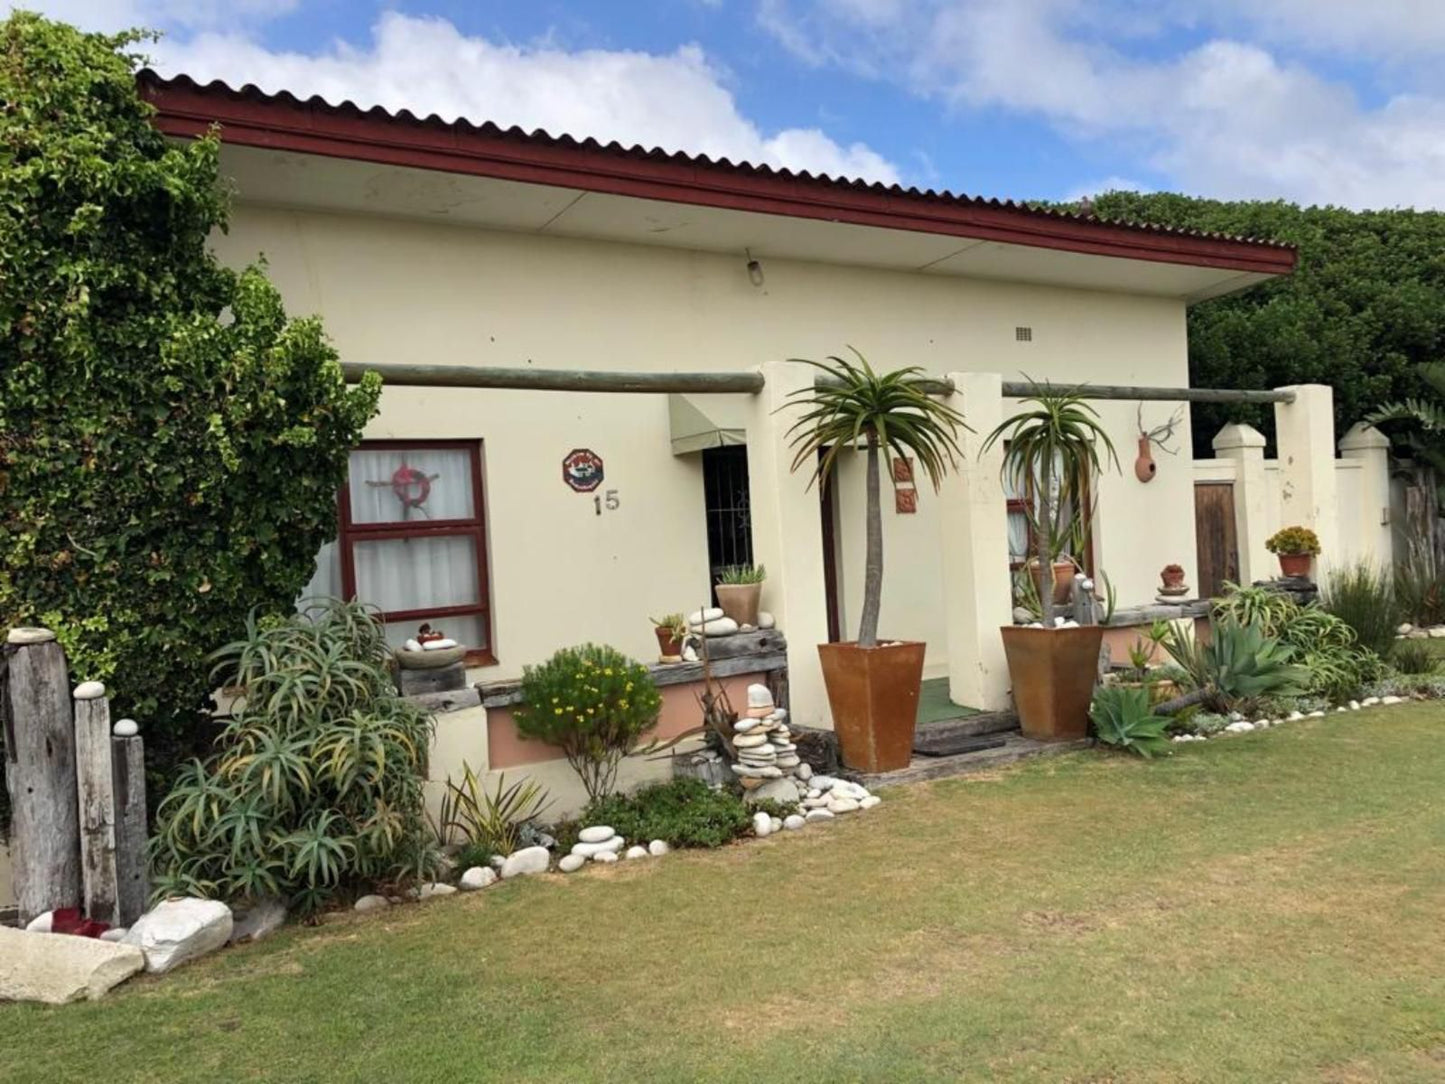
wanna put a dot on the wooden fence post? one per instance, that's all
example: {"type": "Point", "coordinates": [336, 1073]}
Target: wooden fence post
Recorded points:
{"type": "Point", "coordinates": [40, 773]}
{"type": "Point", "coordinates": [133, 881]}
{"type": "Point", "coordinates": [95, 788]}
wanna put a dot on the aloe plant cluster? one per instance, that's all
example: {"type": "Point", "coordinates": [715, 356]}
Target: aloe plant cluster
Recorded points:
{"type": "Point", "coordinates": [314, 791]}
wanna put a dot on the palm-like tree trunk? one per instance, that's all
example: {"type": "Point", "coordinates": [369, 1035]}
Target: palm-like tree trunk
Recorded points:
{"type": "Point", "coordinates": [1043, 546]}
{"type": "Point", "coordinates": [873, 562]}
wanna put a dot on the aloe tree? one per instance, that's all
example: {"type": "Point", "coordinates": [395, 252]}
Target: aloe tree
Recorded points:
{"type": "Point", "coordinates": [851, 404]}
{"type": "Point", "coordinates": [1053, 449]}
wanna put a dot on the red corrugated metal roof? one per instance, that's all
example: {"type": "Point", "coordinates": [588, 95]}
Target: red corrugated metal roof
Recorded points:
{"type": "Point", "coordinates": [253, 117]}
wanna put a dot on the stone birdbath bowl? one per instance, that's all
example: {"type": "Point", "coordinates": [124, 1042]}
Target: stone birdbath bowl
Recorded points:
{"type": "Point", "coordinates": [430, 660]}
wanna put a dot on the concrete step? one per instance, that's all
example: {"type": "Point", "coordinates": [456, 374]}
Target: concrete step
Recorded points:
{"type": "Point", "coordinates": [987, 722]}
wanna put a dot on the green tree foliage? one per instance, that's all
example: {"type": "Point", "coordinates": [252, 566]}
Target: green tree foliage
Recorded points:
{"type": "Point", "coordinates": [170, 443]}
{"type": "Point", "coordinates": [1364, 308]}
{"type": "Point", "coordinates": [315, 788]}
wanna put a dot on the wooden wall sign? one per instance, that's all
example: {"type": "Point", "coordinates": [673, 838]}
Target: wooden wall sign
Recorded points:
{"type": "Point", "coordinates": [582, 470]}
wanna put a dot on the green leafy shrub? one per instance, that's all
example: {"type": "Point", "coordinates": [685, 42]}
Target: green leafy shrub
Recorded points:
{"type": "Point", "coordinates": [315, 789]}
{"type": "Point", "coordinates": [489, 820]}
{"type": "Point", "coordinates": [684, 812]}
{"type": "Point", "coordinates": [593, 703]}
{"type": "Point", "coordinates": [170, 443]}
{"type": "Point", "coordinates": [1124, 718]}
{"type": "Point", "coordinates": [1414, 657]}
{"type": "Point", "coordinates": [1325, 646]}
{"type": "Point", "coordinates": [1363, 597]}
{"type": "Point", "coordinates": [1289, 540]}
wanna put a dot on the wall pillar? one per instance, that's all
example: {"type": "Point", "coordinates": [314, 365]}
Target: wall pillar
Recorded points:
{"type": "Point", "coordinates": [973, 531]}
{"type": "Point", "coordinates": [1305, 435]}
{"type": "Point", "coordinates": [1371, 448]}
{"type": "Point", "coordinates": [787, 529]}
{"type": "Point", "coordinates": [1244, 446]}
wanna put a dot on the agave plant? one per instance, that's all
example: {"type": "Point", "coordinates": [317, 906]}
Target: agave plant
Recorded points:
{"type": "Point", "coordinates": [1123, 717]}
{"type": "Point", "coordinates": [1238, 664]}
{"type": "Point", "coordinates": [852, 404]}
{"type": "Point", "coordinates": [1053, 450]}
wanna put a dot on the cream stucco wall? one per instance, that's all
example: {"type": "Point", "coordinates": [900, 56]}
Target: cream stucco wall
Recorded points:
{"type": "Point", "coordinates": [393, 290]}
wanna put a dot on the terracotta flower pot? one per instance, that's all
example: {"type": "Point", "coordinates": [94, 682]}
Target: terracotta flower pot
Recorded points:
{"type": "Point", "coordinates": [1295, 564]}
{"type": "Point", "coordinates": [667, 644]}
{"type": "Point", "coordinates": [740, 601]}
{"type": "Point", "coordinates": [1172, 577]}
{"type": "Point", "coordinates": [1063, 580]}
{"type": "Point", "coordinates": [873, 693]}
{"type": "Point", "coordinates": [1053, 673]}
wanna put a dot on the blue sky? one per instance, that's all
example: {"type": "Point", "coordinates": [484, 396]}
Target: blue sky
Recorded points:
{"type": "Point", "coordinates": [1313, 100]}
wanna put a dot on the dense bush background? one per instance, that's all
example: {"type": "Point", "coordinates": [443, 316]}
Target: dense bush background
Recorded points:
{"type": "Point", "coordinates": [1366, 305]}
{"type": "Point", "coordinates": [170, 443]}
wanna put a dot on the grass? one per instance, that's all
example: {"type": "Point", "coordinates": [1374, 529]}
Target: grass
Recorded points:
{"type": "Point", "coordinates": [1259, 908]}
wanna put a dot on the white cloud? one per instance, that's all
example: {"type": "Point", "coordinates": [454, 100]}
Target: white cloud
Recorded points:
{"type": "Point", "coordinates": [1223, 118]}
{"type": "Point", "coordinates": [679, 100]}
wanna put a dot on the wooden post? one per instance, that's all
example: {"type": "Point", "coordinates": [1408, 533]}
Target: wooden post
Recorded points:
{"type": "Point", "coordinates": [132, 877]}
{"type": "Point", "coordinates": [95, 789]}
{"type": "Point", "coordinates": [40, 773]}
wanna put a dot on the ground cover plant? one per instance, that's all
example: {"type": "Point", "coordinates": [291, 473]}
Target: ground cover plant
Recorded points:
{"type": "Point", "coordinates": [684, 812]}
{"type": "Point", "coordinates": [1273, 899]}
{"type": "Point", "coordinates": [314, 792]}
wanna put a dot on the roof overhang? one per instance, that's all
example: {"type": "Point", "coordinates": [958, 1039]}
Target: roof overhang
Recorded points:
{"type": "Point", "coordinates": [283, 151]}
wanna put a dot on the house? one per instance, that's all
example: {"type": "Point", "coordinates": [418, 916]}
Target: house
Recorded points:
{"type": "Point", "coordinates": [526, 520]}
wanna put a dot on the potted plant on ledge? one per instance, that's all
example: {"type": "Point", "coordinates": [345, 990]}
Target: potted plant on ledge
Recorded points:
{"type": "Point", "coordinates": [740, 591]}
{"type": "Point", "coordinates": [1296, 547]}
{"type": "Point", "coordinates": [1052, 451]}
{"type": "Point", "coordinates": [872, 687]}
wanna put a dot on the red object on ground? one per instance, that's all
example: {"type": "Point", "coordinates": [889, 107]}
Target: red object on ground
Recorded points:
{"type": "Point", "coordinates": [70, 920]}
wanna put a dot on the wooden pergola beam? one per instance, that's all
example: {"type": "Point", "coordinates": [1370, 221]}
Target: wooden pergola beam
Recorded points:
{"type": "Point", "coordinates": [745, 382]}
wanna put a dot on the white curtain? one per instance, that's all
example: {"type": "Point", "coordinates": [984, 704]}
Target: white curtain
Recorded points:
{"type": "Point", "coordinates": [417, 573]}
{"type": "Point", "coordinates": [448, 473]}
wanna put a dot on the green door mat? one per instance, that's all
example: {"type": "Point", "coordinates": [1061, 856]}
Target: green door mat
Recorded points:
{"type": "Point", "coordinates": [934, 706]}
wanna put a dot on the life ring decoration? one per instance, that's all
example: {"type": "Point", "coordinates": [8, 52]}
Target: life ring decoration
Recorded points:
{"type": "Point", "coordinates": [411, 488]}
{"type": "Point", "coordinates": [582, 470]}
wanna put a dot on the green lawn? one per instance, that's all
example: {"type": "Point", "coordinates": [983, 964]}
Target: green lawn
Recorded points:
{"type": "Point", "coordinates": [1262, 908]}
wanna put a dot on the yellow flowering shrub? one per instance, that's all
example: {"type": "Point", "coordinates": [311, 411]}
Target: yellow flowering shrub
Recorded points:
{"type": "Point", "coordinates": [593, 703]}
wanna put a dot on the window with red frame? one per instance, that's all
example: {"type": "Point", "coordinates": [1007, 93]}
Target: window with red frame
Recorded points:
{"type": "Point", "coordinates": [1018, 496]}
{"type": "Point", "coordinates": [412, 541]}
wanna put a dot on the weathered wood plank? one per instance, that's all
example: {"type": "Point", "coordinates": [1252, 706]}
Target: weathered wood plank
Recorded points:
{"type": "Point", "coordinates": [40, 774]}
{"type": "Point", "coordinates": [127, 756]}
{"type": "Point", "coordinates": [1017, 389]}
{"type": "Point", "coordinates": [95, 792]}
{"type": "Point", "coordinates": [761, 642]}
{"type": "Point", "coordinates": [501, 694]}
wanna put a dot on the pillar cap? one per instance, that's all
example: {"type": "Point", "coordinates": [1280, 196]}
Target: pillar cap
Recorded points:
{"type": "Point", "coordinates": [23, 635]}
{"type": "Point", "coordinates": [1362, 437]}
{"type": "Point", "coordinates": [1238, 435]}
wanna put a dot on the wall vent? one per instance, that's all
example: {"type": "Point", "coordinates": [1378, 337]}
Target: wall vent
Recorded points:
{"type": "Point", "coordinates": [1024, 334]}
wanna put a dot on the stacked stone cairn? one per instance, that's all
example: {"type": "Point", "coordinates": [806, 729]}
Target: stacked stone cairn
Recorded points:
{"type": "Point", "coordinates": [769, 769]}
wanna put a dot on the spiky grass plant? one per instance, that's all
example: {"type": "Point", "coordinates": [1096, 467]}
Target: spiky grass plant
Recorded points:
{"type": "Point", "coordinates": [1052, 448]}
{"type": "Point", "coordinates": [852, 404]}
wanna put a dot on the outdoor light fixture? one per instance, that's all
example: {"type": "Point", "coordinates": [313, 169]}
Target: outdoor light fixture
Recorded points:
{"type": "Point", "coordinates": [755, 269]}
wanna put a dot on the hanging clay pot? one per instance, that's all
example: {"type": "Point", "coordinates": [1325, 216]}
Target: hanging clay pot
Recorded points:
{"type": "Point", "coordinates": [1144, 466]}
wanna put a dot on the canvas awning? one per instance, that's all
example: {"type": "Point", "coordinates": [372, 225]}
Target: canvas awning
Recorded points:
{"type": "Point", "coordinates": [713, 422]}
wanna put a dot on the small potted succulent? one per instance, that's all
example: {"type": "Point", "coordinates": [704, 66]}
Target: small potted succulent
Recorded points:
{"type": "Point", "coordinates": [671, 630]}
{"type": "Point", "coordinates": [740, 592]}
{"type": "Point", "coordinates": [1296, 547]}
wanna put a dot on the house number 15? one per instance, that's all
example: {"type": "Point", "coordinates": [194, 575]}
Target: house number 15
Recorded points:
{"type": "Point", "coordinates": [609, 501]}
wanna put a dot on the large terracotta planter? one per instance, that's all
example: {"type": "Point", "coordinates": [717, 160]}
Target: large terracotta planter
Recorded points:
{"type": "Point", "coordinates": [1053, 673]}
{"type": "Point", "coordinates": [873, 692]}
{"type": "Point", "coordinates": [740, 601]}
{"type": "Point", "coordinates": [1295, 564]}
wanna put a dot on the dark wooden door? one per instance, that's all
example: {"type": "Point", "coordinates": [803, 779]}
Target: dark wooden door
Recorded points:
{"type": "Point", "coordinates": [1215, 540]}
{"type": "Point", "coordinates": [827, 505]}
